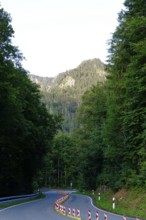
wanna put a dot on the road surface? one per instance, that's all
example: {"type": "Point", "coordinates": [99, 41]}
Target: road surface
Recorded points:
{"type": "Point", "coordinates": [84, 203]}
{"type": "Point", "coordinates": [43, 209]}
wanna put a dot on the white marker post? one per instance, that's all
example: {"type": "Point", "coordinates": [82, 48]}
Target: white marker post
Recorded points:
{"type": "Point", "coordinates": [71, 185]}
{"type": "Point", "coordinates": [113, 202]}
{"type": "Point", "coordinates": [98, 196]}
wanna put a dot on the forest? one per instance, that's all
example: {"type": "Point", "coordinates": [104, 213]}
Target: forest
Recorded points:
{"type": "Point", "coordinates": [63, 93]}
{"type": "Point", "coordinates": [26, 127]}
{"type": "Point", "coordinates": [108, 147]}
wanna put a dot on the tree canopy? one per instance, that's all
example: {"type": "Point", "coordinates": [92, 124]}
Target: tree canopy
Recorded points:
{"type": "Point", "coordinates": [108, 146]}
{"type": "Point", "coordinates": [26, 128]}
{"type": "Point", "coordinates": [112, 133]}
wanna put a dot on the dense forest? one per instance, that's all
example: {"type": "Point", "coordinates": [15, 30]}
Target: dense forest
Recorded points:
{"type": "Point", "coordinates": [26, 127]}
{"type": "Point", "coordinates": [109, 145]}
{"type": "Point", "coordinates": [63, 93]}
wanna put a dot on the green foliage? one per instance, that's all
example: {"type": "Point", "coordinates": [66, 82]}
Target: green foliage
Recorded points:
{"type": "Point", "coordinates": [127, 202]}
{"type": "Point", "coordinates": [112, 133]}
{"type": "Point", "coordinates": [26, 128]}
{"type": "Point", "coordinates": [60, 162]}
{"type": "Point", "coordinates": [91, 115]}
{"type": "Point", "coordinates": [107, 146]}
{"type": "Point", "coordinates": [63, 93]}
{"type": "Point", "coordinates": [127, 84]}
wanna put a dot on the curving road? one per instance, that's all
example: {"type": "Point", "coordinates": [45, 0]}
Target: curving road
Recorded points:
{"type": "Point", "coordinates": [44, 209]}
{"type": "Point", "coordinates": [84, 203]}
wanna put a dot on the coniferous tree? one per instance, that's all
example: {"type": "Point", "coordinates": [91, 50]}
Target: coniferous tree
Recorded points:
{"type": "Point", "coordinates": [91, 115]}
{"type": "Point", "coordinates": [26, 128]}
{"type": "Point", "coordinates": [126, 110]}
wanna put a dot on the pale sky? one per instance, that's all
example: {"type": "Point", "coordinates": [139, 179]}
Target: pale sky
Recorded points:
{"type": "Point", "coordinates": [57, 35]}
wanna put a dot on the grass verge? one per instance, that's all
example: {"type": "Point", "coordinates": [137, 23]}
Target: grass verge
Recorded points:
{"type": "Point", "coordinates": [131, 203]}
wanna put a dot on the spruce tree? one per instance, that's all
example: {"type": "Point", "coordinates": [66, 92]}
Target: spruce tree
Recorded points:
{"type": "Point", "coordinates": [127, 80]}
{"type": "Point", "coordinates": [26, 128]}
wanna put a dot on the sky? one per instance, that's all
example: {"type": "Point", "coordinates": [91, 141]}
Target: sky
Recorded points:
{"type": "Point", "coordinates": [57, 35]}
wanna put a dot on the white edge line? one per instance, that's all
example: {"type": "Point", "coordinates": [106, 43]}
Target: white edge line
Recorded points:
{"type": "Point", "coordinates": [4, 209]}
{"type": "Point", "coordinates": [104, 210]}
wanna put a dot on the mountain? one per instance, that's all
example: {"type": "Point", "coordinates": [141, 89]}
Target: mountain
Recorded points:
{"type": "Point", "coordinates": [62, 94]}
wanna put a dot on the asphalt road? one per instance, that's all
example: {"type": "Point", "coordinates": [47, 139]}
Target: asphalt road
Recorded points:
{"type": "Point", "coordinates": [84, 203]}
{"type": "Point", "coordinates": [10, 199]}
{"type": "Point", "coordinates": [43, 209]}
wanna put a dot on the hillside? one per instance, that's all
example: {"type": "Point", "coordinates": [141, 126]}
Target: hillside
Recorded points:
{"type": "Point", "coordinates": [128, 202]}
{"type": "Point", "coordinates": [62, 94]}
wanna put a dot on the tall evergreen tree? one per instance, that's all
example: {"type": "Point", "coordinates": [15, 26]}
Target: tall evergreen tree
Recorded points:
{"type": "Point", "coordinates": [126, 85]}
{"type": "Point", "coordinates": [26, 128]}
{"type": "Point", "coordinates": [91, 116]}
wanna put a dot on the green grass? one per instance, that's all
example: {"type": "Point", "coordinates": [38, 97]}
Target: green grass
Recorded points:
{"type": "Point", "coordinates": [130, 203]}
{"type": "Point", "coordinates": [41, 196]}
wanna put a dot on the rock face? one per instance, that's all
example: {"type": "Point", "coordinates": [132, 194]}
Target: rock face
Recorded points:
{"type": "Point", "coordinates": [68, 81]}
{"type": "Point", "coordinates": [43, 82]}
{"type": "Point", "coordinates": [63, 93]}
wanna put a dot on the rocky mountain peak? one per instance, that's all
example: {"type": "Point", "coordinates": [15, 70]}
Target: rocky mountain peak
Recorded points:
{"type": "Point", "coordinates": [63, 93]}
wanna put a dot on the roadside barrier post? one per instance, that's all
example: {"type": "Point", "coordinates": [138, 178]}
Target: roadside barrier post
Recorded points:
{"type": "Point", "coordinates": [113, 202]}
{"type": "Point", "coordinates": [78, 213]}
{"type": "Point", "coordinates": [89, 215]}
{"type": "Point", "coordinates": [97, 216]}
{"type": "Point", "coordinates": [57, 206]}
{"type": "Point", "coordinates": [98, 196]}
{"type": "Point", "coordinates": [69, 211]}
{"type": "Point", "coordinates": [73, 212]}
{"type": "Point", "coordinates": [64, 210]}
{"type": "Point", "coordinates": [105, 216]}
{"type": "Point", "coordinates": [60, 208]}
